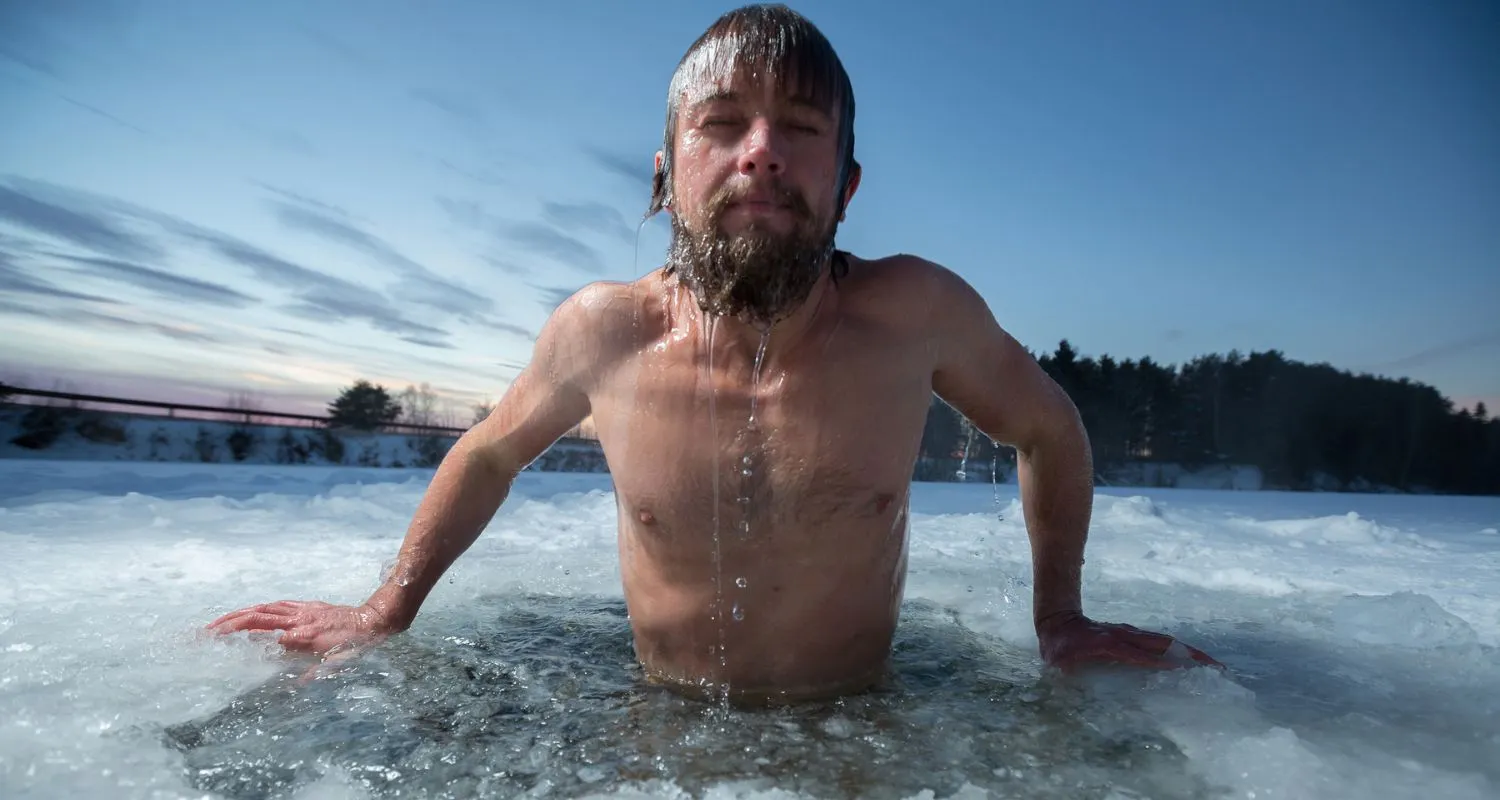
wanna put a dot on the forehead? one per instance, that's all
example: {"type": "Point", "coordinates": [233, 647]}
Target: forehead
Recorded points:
{"type": "Point", "coordinates": [732, 69]}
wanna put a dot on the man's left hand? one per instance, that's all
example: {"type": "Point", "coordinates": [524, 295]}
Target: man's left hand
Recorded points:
{"type": "Point", "coordinates": [1072, 640]}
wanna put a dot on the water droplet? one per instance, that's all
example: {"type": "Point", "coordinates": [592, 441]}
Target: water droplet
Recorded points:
{"type": "Point", "coordinates": [747, 472]}
{"type": "Point", "coordinates": [744, 526]}
{"type": "Point", "coordinates": [738, 613]}
{"type": "Point", "coordinates": [746, 460]}
{"type": "Point", "coordinates": [741, 582]}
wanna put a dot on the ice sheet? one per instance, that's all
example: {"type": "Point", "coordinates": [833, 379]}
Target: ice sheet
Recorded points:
{"type": "Point", "coordinates": [1361, 634]}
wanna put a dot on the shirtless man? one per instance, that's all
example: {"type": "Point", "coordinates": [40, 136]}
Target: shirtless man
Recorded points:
{"type": "Point", "coordinates": [760, 401]}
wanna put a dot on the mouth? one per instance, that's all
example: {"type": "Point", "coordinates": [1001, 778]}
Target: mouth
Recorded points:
{"type": "Point", "coordinates": [760, 206]}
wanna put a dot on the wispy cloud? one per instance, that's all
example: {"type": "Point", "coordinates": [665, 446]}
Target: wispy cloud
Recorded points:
{"type": "Point", "coordinates": [16, 280]}
{"type": "Point", "coordinates": [322, 305]}
{"type": "Point", "coordinates": [547, 241]}
{"type": "Point", "coordinates": [311, 202]}
{"type": "Point", "coordinates": [328, 226]}
{"type": "Point", "coordinates": [92, 221]}
{"type": "Point", "coordinates": [341, 49]}
{"type": "Point", "coordinates": [506, 266]}
{"type": "Point", "coordinates": [479, 175]}
{"type": "Point", "coordinates": [287, 141]}
{"type": "Point", "coordinates": [588, 217]}
{"type": "Point", "coordinates": [635, 169]}
{"type": "Point", "coordinates": [464, 213]}
{"type": "Point", "coordinates": [161, 283]}
{"type": "Point", "coordinates": [104, 115]}
{"type": "Point", "coordinates": [89, 229]}
{"type": "Point", "coordinates": [417, 284]}
{"type": "Point", "coordinates": [552, 296]}
{"type": "Point", "coordinates": [507, 327]}
{"type": "Point", "coordinates": [468, 116]}
{"type": "Point", "coordinates": [322, 297]}
{"type": "Point", "coordinates": [1441, 351]}
{"type": "Point", "coordinates": [424, 342]}
{"type": "Point", "coordinates": [96, 319]}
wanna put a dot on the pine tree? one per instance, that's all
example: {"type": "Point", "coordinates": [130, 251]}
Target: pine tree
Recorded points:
{"type": "Point", "coordinates": [363, 407]}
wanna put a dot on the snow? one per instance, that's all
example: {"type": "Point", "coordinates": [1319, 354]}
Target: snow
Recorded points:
{"type": "Point", "coordinates": [1361, 633]}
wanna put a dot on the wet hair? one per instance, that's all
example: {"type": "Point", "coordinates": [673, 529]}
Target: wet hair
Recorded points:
{"type": "Point", "coordinates": [777, 43]}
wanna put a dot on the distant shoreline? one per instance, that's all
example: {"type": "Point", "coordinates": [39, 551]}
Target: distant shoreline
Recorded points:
{"type": "Point", "coordinates": [77, 434]}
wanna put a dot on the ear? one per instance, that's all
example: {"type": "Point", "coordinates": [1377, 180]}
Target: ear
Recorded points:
{"type": "Point", "coordinates": [855, 172]}
{"type": "Point", "coordinates": [658, 180]}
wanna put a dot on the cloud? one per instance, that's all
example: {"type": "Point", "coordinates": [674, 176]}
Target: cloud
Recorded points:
{"type": "Point", "coordinates": [508, 267]}
{"type": "Point", "coordinates": [89, 221]}
{"type": "Point", "coordinates": [459, 110]}
{"type": "Point", "coordinates": [507, 327]}
{"type": "Point", "coordinates": [552, 297]}
{"type": "Point", "coordinates": [322, 224]}
{"type": "Point", "coordinates": [22, 206]}
{"type": "Point", "coordinates": [15, 280]}
{"type": "Point", "coordinates": [324, 305]}
{"type": "Point", "coordinates": [339, 48]}
{"type": "Point", "coordinates": [589, 217]}
{"type": "Point", "coordinates": [86, 318]}
{"type": "Point", "coordinates": [162, 284]}
{"type": "Point", "coordinates": [552, 243]}
{"type": "Point", "coordinates": [417, 283]}
{"type": "Point", "coordinates": [464, 213]}
{"type": "Point", "coordinates": [321, 296]}
{"type": "Point", "coordinates": [418, 340]}
{"type": "Point", "coordinates": [480, 176]}
{"type": "Point", "coordinates": [636, 170]}
{"type": "Point", "coordinates": [287, 141]}
{"type": "Point", "coordinates": [1440, 352]}
{"type": "Point", "coordinates": [105, 115]}
{"type": "Point", "coordinates": [295, 197]}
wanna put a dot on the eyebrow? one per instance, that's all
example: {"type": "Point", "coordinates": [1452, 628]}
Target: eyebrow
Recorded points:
{"type": "Point", "coordinates": [729, 96]}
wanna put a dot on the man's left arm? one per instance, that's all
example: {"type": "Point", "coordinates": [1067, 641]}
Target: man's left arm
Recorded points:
{"type": "Point", "coordinates": [987, 376]}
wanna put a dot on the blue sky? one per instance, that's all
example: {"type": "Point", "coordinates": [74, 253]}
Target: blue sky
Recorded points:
{"type": "Point", "coordinates": [281, 197]}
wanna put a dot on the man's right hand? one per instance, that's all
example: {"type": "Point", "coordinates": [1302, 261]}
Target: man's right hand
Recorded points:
{"type": "Point", "coordinates": [310, 626]}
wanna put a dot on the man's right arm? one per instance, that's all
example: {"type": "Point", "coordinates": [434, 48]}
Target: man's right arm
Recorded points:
{"type": "Point", "coordinates": [547, 399]}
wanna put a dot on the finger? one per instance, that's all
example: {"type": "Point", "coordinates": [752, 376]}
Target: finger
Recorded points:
{"type": "Point", "coordinates": [1146, 640]}
{"type": "Point", "coordinates": [281, 607]}
{"type": "Point", "coordinates": [297, 639]}
{"type": "Point", "coordinates": [255, 621]}
{"type": "Point", "coordinates": [1170, 648]}
{"type": "Point", "coordinates": [1119, 653]}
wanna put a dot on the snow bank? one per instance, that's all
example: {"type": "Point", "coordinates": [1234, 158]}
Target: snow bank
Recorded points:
{"type": "Point", "coordinates": [85, 435]}
{"type": "Point", "coordinates": [1361, 635]}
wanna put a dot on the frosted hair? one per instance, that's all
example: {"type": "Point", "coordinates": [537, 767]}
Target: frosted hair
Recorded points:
{"type": "Point", "coordinates": [773, 42]}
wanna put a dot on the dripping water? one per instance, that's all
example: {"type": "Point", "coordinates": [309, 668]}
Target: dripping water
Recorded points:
{"type": "Point", "coordinates": [713, 425]}
{"type": "Point", "coordinates": [749, 457]}
{"type": "Point", "coordinates": [963, 467]}
{"type": "Point", "coordinates": [995, 479]}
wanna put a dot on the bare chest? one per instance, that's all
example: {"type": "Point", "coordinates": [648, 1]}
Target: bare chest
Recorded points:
{"type": "Point", "coordinates": [819, 444]}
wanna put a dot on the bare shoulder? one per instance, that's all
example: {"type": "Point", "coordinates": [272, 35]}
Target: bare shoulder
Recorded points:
{"type": "Point", "coordinates": [911, 290]}
{"type": "Point", "coordinates": [605, 316]}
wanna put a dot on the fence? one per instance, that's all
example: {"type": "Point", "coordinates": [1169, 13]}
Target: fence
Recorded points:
{"type": "Point", "coordinates": [249, 416]}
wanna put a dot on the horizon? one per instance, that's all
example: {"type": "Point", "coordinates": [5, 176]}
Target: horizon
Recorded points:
{"type": "Point", "coordinates": [403, 195]}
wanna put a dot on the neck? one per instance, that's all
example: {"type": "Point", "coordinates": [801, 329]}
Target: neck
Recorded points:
{"type": "Point", "coordinates": [741, 337]}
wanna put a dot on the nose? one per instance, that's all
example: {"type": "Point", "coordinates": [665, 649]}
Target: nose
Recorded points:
{"type": "Point", "coordinates": [762, 151]}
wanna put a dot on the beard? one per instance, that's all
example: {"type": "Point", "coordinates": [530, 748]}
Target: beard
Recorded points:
{"type": "Point", "coordinates": [758, 274]}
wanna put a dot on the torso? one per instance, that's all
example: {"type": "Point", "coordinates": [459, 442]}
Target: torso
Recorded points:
{"type": "Point", "coordinates": [785, 582]}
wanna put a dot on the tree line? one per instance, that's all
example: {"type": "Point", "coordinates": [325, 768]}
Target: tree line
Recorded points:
{"type": "Point", "coordinates": [1300, 424]}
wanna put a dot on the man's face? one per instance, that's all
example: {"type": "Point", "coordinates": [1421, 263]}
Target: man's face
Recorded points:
{"type": "Point", "coordinates": [755, 190]}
